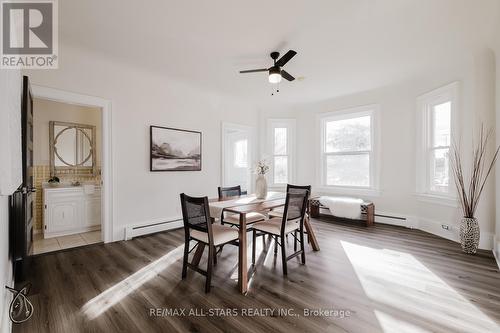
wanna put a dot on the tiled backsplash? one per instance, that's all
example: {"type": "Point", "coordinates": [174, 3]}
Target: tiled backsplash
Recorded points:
{"type": "Point", "coordinates": [41, 174]}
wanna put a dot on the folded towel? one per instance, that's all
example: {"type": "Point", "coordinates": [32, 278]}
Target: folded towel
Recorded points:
{"type": "Point", "coordinates": [88, 189]}
{"type": "Point", "coordinates": [349, 208]}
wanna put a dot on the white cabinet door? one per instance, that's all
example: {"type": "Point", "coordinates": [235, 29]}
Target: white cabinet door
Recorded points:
{"type": "Point", "coordinates": [92, 211]}
{"type": "Point", "coordinates": [70, 210]}
{"type": "Point", "coordinates": [63, 215]}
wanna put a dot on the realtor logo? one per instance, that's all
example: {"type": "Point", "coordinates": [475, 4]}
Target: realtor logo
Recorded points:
{"type": "Point", "coordinates": [29, 34]}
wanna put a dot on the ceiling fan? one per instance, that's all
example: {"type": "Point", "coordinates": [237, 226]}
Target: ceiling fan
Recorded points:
{"type": "Point", "coordinates": [275, 71]}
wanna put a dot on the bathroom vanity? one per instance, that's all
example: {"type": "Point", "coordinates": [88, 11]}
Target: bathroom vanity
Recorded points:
{"type": "Point", "coordinates": [71, 209]}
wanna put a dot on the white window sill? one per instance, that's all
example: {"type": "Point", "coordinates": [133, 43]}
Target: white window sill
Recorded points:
{"type": "Point", "coordinates": [348, 191]}
{"type": "Point", "coordinates": [443, 200]}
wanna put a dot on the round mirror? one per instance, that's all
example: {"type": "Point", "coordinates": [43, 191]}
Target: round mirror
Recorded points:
{"type": "Point", "coordinates": [72, 146]}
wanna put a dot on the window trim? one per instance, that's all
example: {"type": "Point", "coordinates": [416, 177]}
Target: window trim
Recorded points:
{"type": "Point", "coordinates": [290, 125]}
{"type": "Point", "coordinates": [425, 103]}
{"type": "Point", "coordinates": [371, 110]}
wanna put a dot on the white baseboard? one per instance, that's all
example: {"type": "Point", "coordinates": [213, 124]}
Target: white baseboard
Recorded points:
{"type": "Point", "coordinates": [153, 226]}
{"type": "Point", "coordinates": [486, 241]}
{"type": "Point", "coordinates": [435, 227]}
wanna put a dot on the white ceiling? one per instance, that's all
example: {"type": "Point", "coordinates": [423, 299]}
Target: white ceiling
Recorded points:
{"type": "Point", "coordinates": [343, 46]}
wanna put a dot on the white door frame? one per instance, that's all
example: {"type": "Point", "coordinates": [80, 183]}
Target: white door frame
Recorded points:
{"type": "Point", "coordinates": [253, 150]}
{"type": "Point", "coordinates": [107, 155]}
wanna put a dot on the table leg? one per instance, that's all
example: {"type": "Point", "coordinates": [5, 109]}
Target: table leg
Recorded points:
{"type": "Point", "coordinates": [242, 257]}
{"type": "Point", "coordinates": [310, 234]}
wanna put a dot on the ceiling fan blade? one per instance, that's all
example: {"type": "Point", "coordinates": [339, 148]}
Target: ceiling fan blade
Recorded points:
{"type": "Point", "coordinates": [287, 76]}
{"type": "Point", "coordinates": [284, 59]}
{"type": "Point", "coordinates": [254, 70]}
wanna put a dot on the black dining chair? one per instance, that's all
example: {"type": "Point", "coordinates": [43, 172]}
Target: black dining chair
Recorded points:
{"type": "Point", "coordinates": [233, 191]}
{"type": "Point", "coordinates": [234, 219]}
{"type": "Point", "coordinates": [291, 222]}
{"type": "Point", "coordinates": [198, 227]}
{"type": "Point", "coordinates": [279, 212]}
{"type": "Point", "coordinates": [292, 189]}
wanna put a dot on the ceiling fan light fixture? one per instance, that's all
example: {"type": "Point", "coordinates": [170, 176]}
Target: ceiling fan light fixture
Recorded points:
{"type": "Point", "coordinates": [274, 75]}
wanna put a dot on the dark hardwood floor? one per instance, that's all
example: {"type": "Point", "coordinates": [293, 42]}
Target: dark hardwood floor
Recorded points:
{"type": "Point", "coordinates": [379, 279]}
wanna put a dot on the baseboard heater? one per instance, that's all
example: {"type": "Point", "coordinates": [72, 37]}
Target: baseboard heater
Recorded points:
{"type": "Point", "coordinates": [132, 231]}
{"type": "Point", "coordinates": [380, 218]}
{"type": "Point", "coordinates": [389, 219]}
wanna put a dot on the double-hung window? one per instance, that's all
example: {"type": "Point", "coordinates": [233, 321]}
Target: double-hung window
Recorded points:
{"type": "Point", "coordinates": [348, 149]}
{"type": "Point", "coordinates": [281, 136]}
{"type": "Point", "coordinates": [437, 112]}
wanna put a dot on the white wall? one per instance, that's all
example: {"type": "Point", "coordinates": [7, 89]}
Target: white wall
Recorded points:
{"type": "Point", "coordinates": [398, 145]}
{"type": "Point", "coordinates": [497, 233]}
{"type": "Point", "coordinates": [6, 277]}
{"type": "Point", "coordinates": [10, 100]}
{"type": "Point", "coordinates": [54, 111]}
{"type": "Point", "coordinates": [140, 99]}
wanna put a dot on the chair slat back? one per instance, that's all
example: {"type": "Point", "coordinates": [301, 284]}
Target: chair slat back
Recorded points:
{"type": "Point", "coordinates": [233, 191]}
{"type": "Point", "coordinates": [299, 189]}
{"type": "Point", "coordinates": [295, 208]}
{"type": "Point", "coordinates": [196, 214]}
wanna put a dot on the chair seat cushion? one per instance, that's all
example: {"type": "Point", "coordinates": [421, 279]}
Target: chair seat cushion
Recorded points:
{"type": "Point", "coordinates": [221, 233]}
{"type": "Point", "coordinates": [273, 226]}
{"type": "Point", "coordinates": [251, 218]}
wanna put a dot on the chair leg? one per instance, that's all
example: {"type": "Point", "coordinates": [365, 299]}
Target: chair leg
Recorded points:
{"type": "Point", "coordinates": [211, 250]}
{"type": "Point", "coordinates": [276, 244]}
{"type": "Point", "coordinates": [185, 259]}
{"type": "Point", "coordinates": [303, 254]}
{"type": "Point", "coordinates": [295, 241]}
{"type": "Point", "coordinates": [283, 256]}
{"type": "Point", "coordinates": [264, 241]}
{"type": "Point", "coordinates": [254, 238]}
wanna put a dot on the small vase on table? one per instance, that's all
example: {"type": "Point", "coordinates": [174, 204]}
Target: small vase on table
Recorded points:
{"type": "Point", "coordinates": [260, 183]}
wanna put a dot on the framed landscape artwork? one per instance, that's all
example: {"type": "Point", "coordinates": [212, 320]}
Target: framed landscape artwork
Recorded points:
{"type": "Point", "coordinates": [174, 149]}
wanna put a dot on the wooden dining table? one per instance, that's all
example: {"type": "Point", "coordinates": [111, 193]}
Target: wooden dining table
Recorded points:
{"type": "Point", "coordinates": [242, 205]}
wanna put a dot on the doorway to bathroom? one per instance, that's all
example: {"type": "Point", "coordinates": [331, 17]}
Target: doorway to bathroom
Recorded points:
{"type": "Point", "coordinates": [67, 159]}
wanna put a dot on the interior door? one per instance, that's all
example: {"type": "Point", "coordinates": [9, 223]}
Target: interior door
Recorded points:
{"type": "Point", "coordinates": [22, 201]}
{"type": "Point", "coordinates": [237, 156]}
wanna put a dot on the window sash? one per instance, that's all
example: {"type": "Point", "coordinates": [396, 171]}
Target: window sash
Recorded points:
{"type": "Point", "coordinates": [430, 187]}
{"type": "Point", "coordinates": [431, 172]}
{"type": "Point", "coordinates": [370, 152]}
{"type": "Point", "coordinates": [287, 149]}
{"type": "Point", "coordinates": [287, 169]}
{"type": "Point", "coordinates": [324, 163]}
{"type": "Point", "coordinates": [426, 144]}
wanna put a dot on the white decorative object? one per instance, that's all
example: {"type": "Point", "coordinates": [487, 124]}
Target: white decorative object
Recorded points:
{"type": "Point", "coordinates": [349, 208]}
{"type": "Point", "coordinates": [69, 210]}
{"type": "Point", "coordinates": [261, 187]}
{"type": "Point", "coordinates": [10, 131]}
{"type": "Point", "coordinates": [260, 183]}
